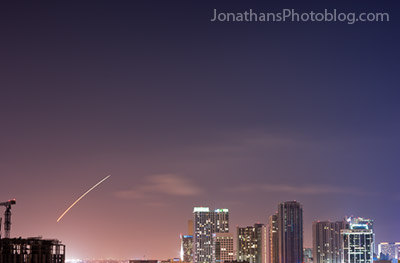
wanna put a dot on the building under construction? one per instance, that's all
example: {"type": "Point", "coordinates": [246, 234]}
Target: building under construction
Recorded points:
{"type": "Point", "coordinates": [31, 250]}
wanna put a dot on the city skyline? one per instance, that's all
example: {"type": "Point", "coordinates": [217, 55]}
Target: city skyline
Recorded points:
{"type": "Point", "coordinates": [184, 112]}
{"type": "Point", "coordinates": [218, 223]}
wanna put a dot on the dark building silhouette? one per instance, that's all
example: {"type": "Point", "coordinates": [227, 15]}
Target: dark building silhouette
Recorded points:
{"type": "Point", "coordinates": [31, 250]}
{"type": "Point", "coordinates": [290, 232]}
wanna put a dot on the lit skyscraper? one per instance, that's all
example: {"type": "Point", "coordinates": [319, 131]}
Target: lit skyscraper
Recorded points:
{"type": "Point", "coordinates": [327, 242]}
{"type": "Point", "coordinates": [290, 232]}
{"type": "Point", "coordinates": [186, 248]}
{"type": "Point", "coordinates": [252, 244]}
{"type": "Point", "coordinates": [222, 247]}
{"type": "Point", "coordinates": [202, 248]}
{"type": "Point", "coordinates": [358, 245]}
{"type": "Point", "coordinates": [206, 223]}
{"type": "Point", "coordinates": [186, 254]}
{"type": "Point", "coordinates": [273, 239]}
{"type": "Point", "coordinates": [358, 241]}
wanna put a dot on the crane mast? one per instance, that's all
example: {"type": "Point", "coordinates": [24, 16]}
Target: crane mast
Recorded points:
{"type": "Point", "coordinates": [7, 217]}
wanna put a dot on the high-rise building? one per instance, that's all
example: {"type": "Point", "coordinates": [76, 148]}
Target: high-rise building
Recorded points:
{"type": "Point", "coordinates": [390, 251]}
{"type": "Point", "coordinates": [358, 241]}
{"type": "Point", "coordinates": [206, 223]}
{"type": "Point", "coordinates": [327, 242]}
{"type": "Point", "coordinates": [186, 248]}
{"type": "Point", "coordinates": [252, 244]}
{"type": "Point", "coordinates": [290, 232]}
{"type": "Point", "coordinates": [202, 238]}
{"type": "Point", "coordinates": [222, 247]}
{"type": "Point", "coordinates": [358, 245]}
{"type": "Point", "coordinates": [273, 239]}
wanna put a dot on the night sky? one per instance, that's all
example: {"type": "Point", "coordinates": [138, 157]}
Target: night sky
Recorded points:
{"type": "Point", "coordinates": [184, 112]}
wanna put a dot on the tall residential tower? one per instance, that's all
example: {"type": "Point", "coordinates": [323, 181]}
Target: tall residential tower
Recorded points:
{"type": "Point", "coordinates": [273, 239]}
{"type": "Point", "coordinates": [327, 242]}
{"type": "Point", "coordinates": [358, 241]}
{"type": "Point", "coordinates": [290, 232]}
{"type": "Point", "coordinates": [252, 244]}
{"type": "Point", "coordinates": [206, 223]}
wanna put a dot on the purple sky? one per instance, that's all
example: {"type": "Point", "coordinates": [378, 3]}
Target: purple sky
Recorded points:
{"type": "Point", "coordinates": [183, 112]}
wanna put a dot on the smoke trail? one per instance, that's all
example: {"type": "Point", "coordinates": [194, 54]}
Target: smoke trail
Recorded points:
{"type": "Point", "coordinates": [82, 196]}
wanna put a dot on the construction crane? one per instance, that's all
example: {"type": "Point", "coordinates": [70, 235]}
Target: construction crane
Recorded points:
{"type": "Point", "coordinates": [7, 216]}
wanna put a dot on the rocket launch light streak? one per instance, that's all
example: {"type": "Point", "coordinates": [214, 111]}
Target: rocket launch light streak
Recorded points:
{"type": "Point", "coordinates": [82, 196]}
